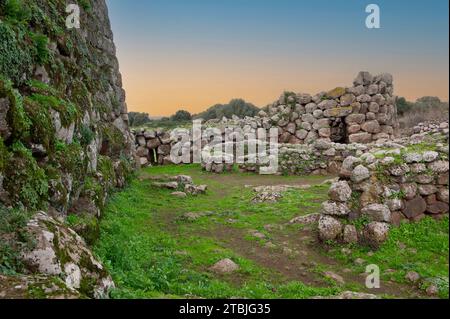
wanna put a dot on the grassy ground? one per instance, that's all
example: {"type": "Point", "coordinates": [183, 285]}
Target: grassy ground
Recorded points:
{"type": "Point", "coordinates": [421, 247]}
{"type": "Point", "coordinates": [152, 251]}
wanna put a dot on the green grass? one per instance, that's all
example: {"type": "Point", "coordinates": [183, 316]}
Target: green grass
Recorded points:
{"type": "Point", "coordinates": [151, 252]}
{"type": "Point", "coordinates": [422, 247]}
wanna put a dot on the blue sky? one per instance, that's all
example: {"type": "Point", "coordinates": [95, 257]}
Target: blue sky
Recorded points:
{"type": "Point", "coordinates": [195, 53]}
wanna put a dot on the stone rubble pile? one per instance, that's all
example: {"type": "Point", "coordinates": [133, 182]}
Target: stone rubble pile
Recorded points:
{"type": "Point", "coordinates": [432, 127]}
{"type": "Point", "coordinates": [182, 185]}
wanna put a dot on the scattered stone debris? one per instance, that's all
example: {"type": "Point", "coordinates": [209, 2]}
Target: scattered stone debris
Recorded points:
{"type": "Point", "coordinates": [183, 184]}
{"type": "Point", "coordinates": [267, 197]}
{"type": "Point", "coordinates": [193, 216]}
{"type": "Point", "coordinates": [350, 295]}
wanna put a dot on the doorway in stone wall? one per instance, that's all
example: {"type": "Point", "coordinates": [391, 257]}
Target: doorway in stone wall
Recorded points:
{"type": "Point", "coordinates": [339, 131]}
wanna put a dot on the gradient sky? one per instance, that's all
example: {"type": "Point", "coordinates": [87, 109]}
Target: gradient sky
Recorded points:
{"type": "Point", "coordinates": [192, 54]}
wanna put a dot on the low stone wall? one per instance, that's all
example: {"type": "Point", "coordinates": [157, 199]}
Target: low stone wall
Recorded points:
{"type": "Point", "coordinates": [432, 127]}
{"type": "Point", "coordinates": [320, 158]}
{"type": "Point", "coordinates": [385, 187]}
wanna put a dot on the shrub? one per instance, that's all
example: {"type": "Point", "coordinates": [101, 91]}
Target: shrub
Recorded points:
{"type": "Point", "coordinates": [181, 115]}
{"type": "Point", "coordinates": [17, 11]}
{"type": "Point", "coordinates": [13, 239]}
{"type": "Point", "coordinates": [236, 107]}
{"type": "Point", "coordinates": [403, 106]}
{"type": "Point", "coordinates": [42, 129]}
{"type": "Point", "coordinates": [17, 118]}
{"type": "Point", "coordinates": [41, 46]}
{"type": "Point", "coordinates": [87, 135]}
{"type": "Point", "coordinates": [67, 110]}
{"type": "Point", "coordinates": [138, 119]}
{"type": "Point", "coordinates": [16, 57]}
{"type": "Point", "coordinates": [25, 181]}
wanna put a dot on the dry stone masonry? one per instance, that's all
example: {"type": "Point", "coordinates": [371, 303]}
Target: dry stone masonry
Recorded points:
{"type": "Point", "coordinates": [363, 113]}
{"type": "Point", "coordinates": [395, 182]}
{"type": "Point", "coordinates": [315, 133]}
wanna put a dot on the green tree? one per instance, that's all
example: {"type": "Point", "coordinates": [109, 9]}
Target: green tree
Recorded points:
{"type": "Point", "coordinates": [180, 116]}
{"type": "Point", "coordinates": [403, 106]}
{"type": "Point", "coordinates": [238, 107]}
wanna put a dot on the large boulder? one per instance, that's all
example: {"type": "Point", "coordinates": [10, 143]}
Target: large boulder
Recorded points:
{"type": "Point", "coordinates": [371, 127]}
{"type": "Point", "coordinates": [335, 208]}
{"type": "Point", "coordinates": [415, 207]}
{"type": "Point", "coordinates": [350, 234]}
{"type": "Point", "coordinates": [375, 233]}
{"type": "Point", "coordinates": [377, 212]}
{"type": "Point", "coordinates": [59, 251]}
{"type": "Point", "coordinates": [329, 228]}
{"type": "Point", "coordinates": [340, 191]}
{"type": "Point", "coordinates": [360, 138]}
{"type": "Point", "coordinates": [359, 174]}
{"type": "Point", "coordinates": [336, 93]}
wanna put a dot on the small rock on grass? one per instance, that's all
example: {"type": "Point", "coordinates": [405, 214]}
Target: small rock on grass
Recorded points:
{"type": "Point", "coordinates": [359, 261]}
{"type": "Point", "coordinates": [412, 276]}
{"type": "Point", "coordinates": [333, 276]}
{"type": "Point", "coordinates": [432, 290]}
{"type": "Point", "coordinates": [224, 266]}
{"type": "Point", "coordinates": [270, 245]}
{"type": "Point", "coordinates": [179, 194]}
{"type": "Point", "coordinates": [258, 234]}
{"type": "Point", "coordinates": [306, 220]}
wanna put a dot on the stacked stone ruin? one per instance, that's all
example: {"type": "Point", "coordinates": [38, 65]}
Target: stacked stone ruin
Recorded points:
{"type": "Point", "coordinates": [320, 127]}
{"type": "Point", "coordinates": [384, 179]}
{"type": "Point", "coordinates": [153, 146]}
{"type": "Point", "coordinates": [363, 113]}
{"type": "Point", "coordinates": [386, 187]}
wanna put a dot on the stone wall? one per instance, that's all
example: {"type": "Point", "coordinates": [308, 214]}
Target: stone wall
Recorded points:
{"type": "Point", "coordinates": [153, 146]}
{"type": "Point", "coordinates": [64, 127]}
{"type": "Point", "coordinates": [385, 187]}
{"type": "Point", "coordinates": [64, 139]}
{"type": "Point", "coordinates": [362, 113]}
{"type": "Point", "coordinates": [319, 158]}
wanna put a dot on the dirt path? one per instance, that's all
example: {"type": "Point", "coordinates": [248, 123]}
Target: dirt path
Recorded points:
{"type": "Point", "coordinates": [299, 258]}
